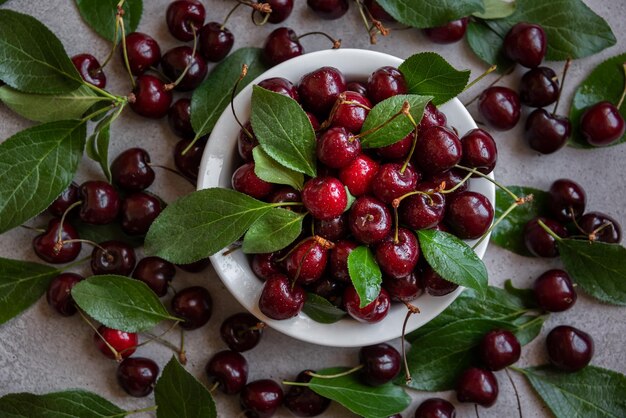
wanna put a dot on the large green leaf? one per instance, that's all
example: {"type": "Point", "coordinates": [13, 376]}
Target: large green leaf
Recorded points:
{"type": "Point", "coordinates": [68, 404]}
{"type": "Point", "coordinates": [273, 231]}
{"type": "Point", "coordinates": [365, 274]}
{"type": "Point", "coordinates": [428, 14]}
{"type": "Point", "coordinates": [101, 14]}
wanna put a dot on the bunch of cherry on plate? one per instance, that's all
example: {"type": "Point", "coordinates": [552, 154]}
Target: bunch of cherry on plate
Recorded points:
{"type": "Point", "coordinates": [418, 175]}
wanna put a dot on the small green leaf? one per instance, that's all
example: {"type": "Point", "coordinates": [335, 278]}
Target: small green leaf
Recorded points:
{"type": "Point", "coordinates": [120, 302]}
{"type": "Point", "coordinates": [98, 142]}
{"type": "Point", "coordinates": [365, 274]}
{"type": "Point", "coordinates": [67, 404]}
{"type": "Point", "coordinates": [351, 199]}
{"type": "Point", "coordinates": [283, 130]}
{"type": "Point", "coordinates": [509, 233]}
{"type": "Point", "coordinates": [592, 392]}
{"type": "Point", "coordinates": [213, 96]}
{"type": "Point", "coordinates": [397, 129]}
{"type": "Point", "coordinates": [36, 165]}
{"type": "Point", "coordinates": [108, 232]}
{"type": "Point", "coordinates": [180, 395]}
{"type": "Point", "coordinates": [605, 83]}
{"type": "Point", "coordinates": [525, 295]}
{"type": "Point", "coordinates": [453, 259]}
{"type": "Point", "coordinates": [273, 231]}
{"type": "Point", "coordinates": [487, 45]}
{"type": "Point", "coordinates": [321, 310]}
{"type": "Point", "coordinates": [32, 58]}
{"type": "Point", "coordinates": [597, 267]}
{"type": "Point", "coordinates": [21, 284]}
{"type": "Point", "coordinates": [427, 14]}
{"type": "Point", "coordinates": [497, 9]}
{"type": "Point", "coordinates": [266, 168]}
{"type": "Point", "coordinates": [202, 223]}
{"type": "Point", "coordinates": [429, 74]}
{"type": "Point", "coordinates": [363, 400]}
{"type": "Point", "coordinates": [528, 327]}
{"type": "Point", "coordinates": [100, 16]}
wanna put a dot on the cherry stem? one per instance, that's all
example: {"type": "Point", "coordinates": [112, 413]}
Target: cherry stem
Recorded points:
{"type": "Point", "coordinates": [509, 71]}
{"type": "Point", "coordinates": [114, 47]}
{"type": "Point", "coordinates": [336, 42]}
{"type": "Point", "coordinates": [395, 214]}
{"type": "Point", "coordinates": [32, 228]}
{"type": "Point", "coordinates": [496, 223]}
{"type": "Point", "coordinates": [594, 234]}
{"type": "Point", "coordinates": [396, 202]}
{"type": "Point", "coordinates": [411, 310]}
{"type": "Point", "coordinates": [479, 78]}
{"type": "Point", "coordinates": [621, 99]}
{"type": "Point", "coordinates": [486, 177]}
{"type": "Point", "coordinates": [171, 86]}
{"type": "Point", "coordinates": [375, 27]}
{"type": "Point", "coordinates": [124, 48]}
{"type": "Point", "coordinates": [519, 404]}
{"type": "Point", "coordinates": [159, 338]}
{"type": "Point", "coordinates": [413, 145]}
{"type": "Point", "coordinates": [72, 206]}
{"type": "Point", "coordinates": [334, 376]}
{"type": "Point", "coordinates": [99, 112]}
{"type": "Point", "coordinates": [476, 410]}
{"type": "Point", "coordinates": [459, 184]}
{"type": "Point", "coordinates": [406, 106]}
{"type": "Point", "coordinates": [214, 386]}
{"type": "Point", "coordinates": [262, 22]}
{"type": "Point", "coordinates": [182, 354]}
{"type": "Point", "coordinates": [558, 97]}
{"type": "Point", "coordinates": [239, 3]}
{"type": "Point", "coordinates": [171, 170]}
{"type": "Point", "coordinates": [139, 411]}
{"type": "Point", "coordinates": [117, 355]}
{"type": "Point", "coordinates": [548, 230]}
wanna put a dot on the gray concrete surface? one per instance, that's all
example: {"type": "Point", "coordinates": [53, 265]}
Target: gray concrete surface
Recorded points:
{"type": "Point", "coordinates": [42, 352]}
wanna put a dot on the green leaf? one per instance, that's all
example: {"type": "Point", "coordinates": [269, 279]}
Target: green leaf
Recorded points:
{"type": "Point", "coordinates": [363, 400]}
{"type": "Point", "coordinates": [32, 58]}
{"type": "Point", "coordinates": [36, 165]}
{"type": "Point", "coordinates": [397, 129]}
{"type": "Point", "coordinates": [487, 45]}
{"type": "Point", "coordinates": [100, 16]}
{"type": "Point", "coordinates": [120, 302]}
{"type": "Point", "coordinates": [202, 223]}
{"type": "Point", "coordinates": [321, 310]}
{"type": "Point", "coordinates": [429, 74]}
{"type": "Point", "coordinates": [67, 404]}
{"type": "Point", "coordinates": [453, 259]}
{"type": "Point", "coordinates": [98, 142]}
{"type": "Point", "coordinates": [273, 231]}
{"type": "Point", "coordinates": [283, 130]}
{"type": "Point", "coordinates": [605, 83]}
{"type": "Point", "coordinates": [212, 97]}
{"type": "Point", "coordinates": [592, 392]}
{"type": "Point", "coordinates": [427, 14]}
{"type": "Point", "coordinates": [266, 168]}
{"type": "Point", "coordinates": [525, 295]}
{"type": "Point", "coordinates": [597, 267]}
{"type": "Point", "coordinates": [108, 232]}
{"type": "Point", "coordinates": [50, 108]}
{"type": "Point", "coordinates": [497, 9]}
{"type": "Point", "coordinates": [509, 233]}
{"type": "Point", "coordinates": [528, 327]}
{"type": "Point", "coordinates": [365, 274]}
{"type": "Point", "coordinates": [180, 395]}
{"type": "Point", "coordinates": [21, 284]}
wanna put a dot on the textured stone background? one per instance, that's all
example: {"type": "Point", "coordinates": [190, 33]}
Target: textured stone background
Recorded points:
{"type": "Point", "coordinates": [42, 352]}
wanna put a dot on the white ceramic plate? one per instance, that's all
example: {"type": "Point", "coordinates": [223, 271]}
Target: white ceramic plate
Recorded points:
{"type": "Point", "coordinates": [220, 159]}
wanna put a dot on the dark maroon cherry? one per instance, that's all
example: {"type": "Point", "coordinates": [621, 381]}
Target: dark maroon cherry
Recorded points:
{"type": "Point", "coordinates": [281, 9]}
{"type": "Point", "coordinates": [499, 348]}
{"type": "Point", "coordinates": [90, 70]}
{"type": "Point", "coordinates": [229, 369]}
{"type": "Point", "coordinates": [538, 242]}
{"type": "Point", "coordinates": [337, 147]}
{"type": "Point", "coordinates": [452, 178]}
{"type": "Point", "coordinates": [131, 170]}
{"type": "Point", "coordinates": [432, 117]}
{"type": "Point", "coordinates": [545, 132]}
{"type": "Point", "coordinates": [215, 41]}
{"type": "Point", "coordinates": [306, 262]}
{"type": "Point", "coordinates": [569, 348]}
{"type": "Point", "coordinates": [241, 331]}
{"type": "Point", "coordinates": [393, 181]}
{"type": "Point", "coordinates": [332, 229]}
{"type": "Point", "coordinates": [403, 289]}
{"type": "Point", "coordinates": [381, 364]}
{"type": "Point", "coordinates": [194, 306]}
{"type": "Point", "coordinates": [261, 398]}
{"type": "Point", "coordinates": [500, 106]}
{"type": "Point", "coordinates": [479, 151]}
{"type": "Point", "coordinates": [398, 150]}
{"type": "Point", "coordinates": [66, 199]}
{"type": "Point", "coordinates": [245, 180]}
{"type": "Point", "coordinates": [359, 175]}
{"type": "Point", "coordinates": [179, 118]}
{"type": "Point", "coordinates": [113, 257]}
{"type": "Point", "coordinates": [435, 285]}
{"type": "Point", "coordinates": [181, 58]}
{"type": "Point", "coordinates": [196, 266]}
{"type": "Point", "coordinates": [246, 143]}
{"type": "Point", "coordinates": [48, 247]}
{"type": "Point", "coordinates": [358, 87]}
{"type": "Point", "coordinates": [101, 202]}
{"type": "Point", "coordinates": [304, 402]}
{"type": "Point", "coordinates": [435, 408]}
{"type": "Point", "coordinates": [539, 87]}
{"type": "Point", "coordinates": [282, 86]}
{"type": "Point", "coordinates": [189, 162]}
{"type": "Point", "coordinates": [137, 376]}
{"type": "Point", "coordinates": [351, 111]}
{"type": "Point", "coordinates": [285, 194]}
{"type": "Point", "coordinates": [601, 227]}
{"type": "Point", "coordinates": [449, 33]}
{"type": "Point", "coordinates": [477, 386]}
{"type": "Point", "coordinates": [422, 210]}
{"type": "Point", "coordinates": [330, 289]}
{"type": "Point", "coordinates": [384, 83]}
{"type": "Point", "coordinates": [324, 197]}
{"type": "Point", "coordinates": [469, 214]}
{"type": "Point", "coordinates": [183, 16]}
{"type": "Point", "coordinates": [377, 11]}
{"type": "Point", "coordinates": [338, 260]}
{"type": "Point", "coordinates": [124, 343]}
{"type": "Point", "coordinates": [566, 200]}
{"type": "Point", "coordinates": [329, 9]}
{"type": "Point", "coordinates": [602, 124]}
{"type": "Point", "coordinates": [280, 299]}
{"type": "Point", "coordinates": [59, 294]}
{"type": "Point", "coordinates": [398, 257]}
{"type": "Point", "coordinates": [152, 98]}
{"type": "Point", "coordinates": [143, 52]}
{"type": "Point", "coordinates": [526, 44]}
{"type": "Point", "coordinates": [320, 89]}
{"type": "Point", "coordinates": [554, 291]}
{"type": "Point", "coordinates": [156, 273]}
{"type": "Point", "coordinates": [374, 312]}
{"type": "Point", "coordinates": [265, 265]}
{"type": "Point", "coordinates": [438, 149]}
{"type": "Point", "coordinates": [369, 220]}
{"type": "Point", "coordinates": [282, 44]}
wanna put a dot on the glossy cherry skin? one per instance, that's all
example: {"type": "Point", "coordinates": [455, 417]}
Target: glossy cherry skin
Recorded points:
{"type": "Point", "coordinates": [499, 348]}
{"type": "Point", "coordinates": [281, 9]}
{"type": "Point", "coordinates": [337, 147]}
{"type": "Point", "coordinates": [538, 242]}
{"type": "Point", "coordinates": [329, 9]}
{"type": "Point", "coordinates": [398, 259]}
{"type": "Point", "coordinates": [338, 260]}
{"type": "Point", "coordinates": [479, 151]}
{"type": "Point", "coordinates": [438, 149]}
{"type": "Point", "coordinates": [46, 244]}
{"type": "Point", "coordinates": [381, 364]}
{"type": "Point", "coordinates": [137, 376]}
{"type": "Point", "coordinates": [435, 408]}
{"type": "Point", "coordinates": [500, 106]}
{"type": "Point", "coordinates": [215, 41]}
{"type": "Point", "coordinates": [152, 99]}
{"type": "Point", "coordinates": [265, 265]}
{"type": "Point", "coordinates": [181, 58]}
{"type": "Point", "coordinates": [351, 111]}
{"type": "Point", "coordinates": [384, 83]}
{"type": "Point", "coordinates": [358, 87]}
{"type": "Point", "coordinates": [113, 257]}
{"type": "Point", "coordinates": [324, 197]}
{"type": "Point", "coordinates": [194, 305]}
{"type": "Point", "coordinates": [66, 199]}
{"type": "Point", "coordinates": [526, 44]}
{"type": "Point", "coordinates": [281, 85]}
{"type": "Point", "coordinates": [285, 194]}
{"type": "Point", "coordinates": [59, 294]}
{"type": "Point", "coordinates": [123, 342]}
{"type": "Point", "coordinates": [449, 33]}
{"type": "Point", "coordinates": [566, 200]}
{"type": "Point", "coordinates": [241, 331]}
{"type": "Point", "coordinates": [261, 398]}
{"type": "Point", "coordinates": [143, 52]}
{"type": "Point", "coordinates": [320, 89]}
{"type": "Point", "coordinates": [280, 45]}
{"type": "Point", "coordinates": [306, 263]}
{"type": "Point", "coordinates": [101, 202]}
{"type": "Point", "coordinates": [245, 180]}
{"type": "Point", "coordinates": [359, 175]}
{"type": "Point", "coordinates": [420, 211]}
{"type": "Point", "coordinates": [601, 227]}
{"type": "Point", "coordinates": [602, 124]}
{"type": "Point", "coordinates": [546, 133]}
{"type": "Point", "coordinates": [229, 369]}
{"type": "Point", "coordinates": [182, 16]}
{"type": "Point", "coordinates": [90, 70]}
{"type": "Point", "coordinates": [452, 178]}
{"type": "Point", "coordinates": [279, 299]}
{"type": "Point", "coordinates": [469, 214]}
{"type": "Point", "coordinates": [539, 87]}
{"type": "Point", "coordinates": [477, 386]}
{"type": "Point", "coordinates": [391, 182]}
{"type": "Point", "coordinates": [156, 273]}
{"type": "Point", "coordinates": [554, 291]}
{"type": "Point", "coordinates": [369, 220]}
{"type": "Point", "coordinates": [398, 150]}
{"type": "Point", "coordinates": [246, 143]}
{"type": "Point", "coordinates": [569, 348]}
{"type": "Point", "coordinates": [179, 118]}
{"type": "Point", "coordinates": [304, 402]}
{"type": "Point", "coordinates": [374, 312]}
{"type": "Point", "coordinates": [332, 229]}
{"type": "Point", "coordinates": [403, 289]}
{"type": "Point", "coordinates": [435, 285]}
{"type": "Point", "coordinates": [189, 163]}
{"type": "Point", "coordinates": [432, 117]}
{"type": "Point", "coordinates": [131, 170]}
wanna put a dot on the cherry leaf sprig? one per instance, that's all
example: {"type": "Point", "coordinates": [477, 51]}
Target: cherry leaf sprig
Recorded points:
{"type": "Point", "coordinates": [427, 14]}
{"type": "Point", "coordinates": [365, 274]}
{"type": "Point", "coordinates": [100, 16]}
{"type": "Point", "coordinates": [322, 310]}
{"type": "Point", "coordinates": [268, 169]}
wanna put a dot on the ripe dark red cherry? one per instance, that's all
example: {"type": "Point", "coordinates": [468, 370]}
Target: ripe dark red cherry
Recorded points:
{"type": "Point", "coordinates": [304, 402]}
{"type": "Point", "coordinates": [306, 262]}
{"type": "Point", "coordinates": [374, 312]}
{"type": "Point", "coordinates": [359, 175]}
{"type": "Point", "coordinates": [215, 41]}
{"type": "Point", "coordinates": [324, 197]}
{"type": "Point", "coordinates": [66, 199]}
{"type": "Point", "coordinates": [332, 229]}
{"type": "Point", "coordinates": [602, 124]}
{"type": "Point", "coordinates": [499, 349]}
{"type": "Point", "coordinates": [449, 33]}
{"type": "Point", "coordinates": [398, 150]}
{"type": "Point", "coordinates": [320, 89]}
{"type": "Point", "coordinates": [101, 203]}
{"type": "Point", "coordinates": [477, 386]}
{"type": "Point", "coordinates": [601, 227]}
{"type": "Point", "coordinates": [241, 331]}
{"type": "Point", "coordinates": [554, 291]}
{"type": "Point", "coordinates": [124, 343]}
{"type": "Point", "coordinates": [435, 408]}
{"type": "Point", "coordinates": [131, 170]}
{"type": "Point", "coordinates": [545, 132]}
{"type": "Point", "coordinates": [282, 86]}
{"type": "Point", "coordinates": [398, 258]}
{"type": "Point", "coordinates": [245, 143]}
{"type": "Point", "coordinates": [138, 212]}
{"type": "Point", "coordinates": [500, 106]}
{"type": "Point", "coordinates": [469, 214]}
{"type": "Point", "coordinates": [181, 58]}
{"type": "Point", "coordinates": [526, 43]}
{"type": "Point", "coordinates": [438, 149]}
{"type": "Point", "coordinates": [351, 111]}
{"type": "Point", "coordinates": [432, 117]}
{"type": "Point", "coordinates": [265, 265]}
{"type": "Point", "coordinates": [538, 242]}
{"type": "Point", "coordinates": [279, 299]}
{"type": "Point", "coordinates": [329, 9]}
{"type": "Point", "coordinates": [452, 178]}
{"type": "Point", "coordinates": [143, 52]}
{"type": "Point", "coordinates": [229, 369]}
{"type": "Point", "coordinates": [282, 44]}
{"type": "Point", "coordinates": [46, 244]}
{"type": "Point", "coordinates": [182, 16]}
{"type": "Point", "coordinates": [435, 285]}
{"type": "Point", "coordinates": [384, 83]}
{"type": "Point", "coordinates": [194, 305]}
{"type": "Point", "coordinates": [179, 118]}
{"type": "Point", "coordinates": [338, 260]}
{"type": "Point", "coordinates": [403, 289]}
{"type": "Point", "coordinates": [539, 87]}
{"type": "Point", "coordinates": [479, 151]}
{"type": "Point", "coordinates": [391, 182]}
{"type": "Point", "coordinates": [189, 163]}
{"type": "Point", "coordinates": [281, 9]}
{"type": "Point", "coordinates": [369, 220]}
{"type": "Point", "coordinates": [566, 200]}
{"type": "Point", "coordinates": [381, 364]}
{"type": "Point", "coordinates": [423, 210]}
{"type": "Point", "coordinates": [245, 180]}
{"type": "Point", "coordinates": [329, 289]}
{"type": "Point", "coordinates": [261, 398]}
{"type": "Point", "coordinates": [59, 294]}
{"type": "Point", "coordinates": [285, 194]}
{"type": "Point", "coordinates": [156, 273]}
{"type": "Point", "coordinates": [357, 87]}
{"type": "Point", "coordinates": [113, 257]}
{"type": "Point", "coordinates": [90, 70]}
{"type": "Point", "coordinates": [152, 99]}
{"type": "Point", "coordinates": [569, 348]}
{"type": "Point", "coordinates": [337, 147]}
{"type": "Point", "coordinates": [137, 376]}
